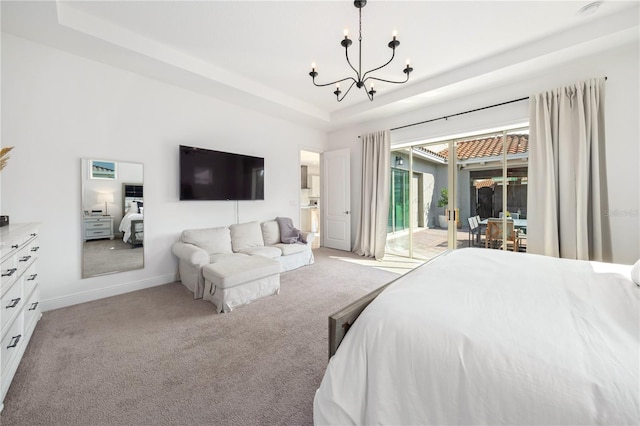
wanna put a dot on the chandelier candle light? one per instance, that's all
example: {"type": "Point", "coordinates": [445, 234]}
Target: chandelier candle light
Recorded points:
{"type": "Point", "coordinates": [361, 78]}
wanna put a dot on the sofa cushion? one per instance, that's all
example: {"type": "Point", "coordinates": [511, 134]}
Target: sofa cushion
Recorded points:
{"type": "Point", "coordinates": [226, 257]}
{"type": "Point", "coordinates": [270, 232]}
{"type": "Point", "coordinates": [288, 249]}
{"type": "Point", "coordinates": [211, 240]}
{"type": "Point", "coordinates": [270, 252]}
{"type": "Point", "coordinates": [244, 235]}
{"type": "Point", "coordinates": [240, 271]}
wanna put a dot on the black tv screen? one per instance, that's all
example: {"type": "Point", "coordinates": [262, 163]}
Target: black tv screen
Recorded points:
{"type": "Point", "coordinates": [215, 175]}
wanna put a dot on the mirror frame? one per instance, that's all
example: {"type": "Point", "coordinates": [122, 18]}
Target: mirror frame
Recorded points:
{"type": "Point", "coordinates": [108, 216]}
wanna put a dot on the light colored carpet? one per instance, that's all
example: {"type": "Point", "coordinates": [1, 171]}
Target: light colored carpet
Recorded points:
{"type": "Point", "coordinates": [107, 256]}
{"type": "Point", "coordinates": [158, 357]}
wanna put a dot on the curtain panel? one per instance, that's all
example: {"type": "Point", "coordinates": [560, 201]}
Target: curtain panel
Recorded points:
{"type": "Point", "coordinates": [371, 235]}
{"type": "Point", "coordinates": [566, 194]}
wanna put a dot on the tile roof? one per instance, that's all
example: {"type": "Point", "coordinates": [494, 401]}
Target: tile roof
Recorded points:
{"type": "Point", "coordinates": [484, 183]}
{"type": "Point", "coordinates": [487, 147]}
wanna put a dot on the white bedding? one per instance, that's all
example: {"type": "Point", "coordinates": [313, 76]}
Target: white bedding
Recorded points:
{"type": "Point", "coordinates": [125, 224]}
{"type": "Point", "coordinates": [491, 337]}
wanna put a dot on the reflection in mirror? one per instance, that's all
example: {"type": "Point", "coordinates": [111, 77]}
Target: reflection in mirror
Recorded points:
{"type": "Point", "coordinates": [112, 217]}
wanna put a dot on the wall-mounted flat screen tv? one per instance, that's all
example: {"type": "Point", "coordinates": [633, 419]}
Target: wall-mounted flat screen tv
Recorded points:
{"type": "Point", "coordinates": [215, 175]}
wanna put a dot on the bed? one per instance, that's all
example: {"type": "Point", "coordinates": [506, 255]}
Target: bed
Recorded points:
{"type": "Point", "coordinates": [491, 337]}
{"type": "Point", "coordinates": [132, 223]}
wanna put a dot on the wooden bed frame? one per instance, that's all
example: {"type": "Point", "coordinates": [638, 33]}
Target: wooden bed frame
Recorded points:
{"type": "Point", "coordinates": [136, 226]}
{"type": "Point", "coordinates": [133, 192]}
{"type": "Point", "coordinates": [342, 320]}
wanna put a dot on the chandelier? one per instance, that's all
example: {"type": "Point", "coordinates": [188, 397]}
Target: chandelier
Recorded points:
{"type": "Point", "coordinates": [360, 78]}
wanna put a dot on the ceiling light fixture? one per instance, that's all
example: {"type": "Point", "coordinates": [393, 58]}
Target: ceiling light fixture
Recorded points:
{"type": "Point", "coordinates": [360, 79]}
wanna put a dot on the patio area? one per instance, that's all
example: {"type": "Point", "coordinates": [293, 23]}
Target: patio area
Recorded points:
{"type": "Point", "coordinates": [427, 242]}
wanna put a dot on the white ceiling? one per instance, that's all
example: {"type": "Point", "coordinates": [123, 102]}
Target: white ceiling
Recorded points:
{"type": "Point", "coordinates": [259, 53]}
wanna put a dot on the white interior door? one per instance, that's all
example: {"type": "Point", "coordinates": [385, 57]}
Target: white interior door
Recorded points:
{"type": "Point", "coordinates": [336, 188]}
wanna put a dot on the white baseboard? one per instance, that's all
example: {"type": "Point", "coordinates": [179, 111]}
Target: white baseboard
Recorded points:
{"type": "Point", "coordinates": [88, 296]}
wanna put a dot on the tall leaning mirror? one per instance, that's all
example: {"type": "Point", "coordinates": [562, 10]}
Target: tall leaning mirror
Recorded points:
{"type": "Point", "coordinates": [112, 217]}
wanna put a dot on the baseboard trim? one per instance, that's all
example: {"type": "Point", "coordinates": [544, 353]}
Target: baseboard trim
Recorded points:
{"type": "Point", "coordinates": [90, 295]}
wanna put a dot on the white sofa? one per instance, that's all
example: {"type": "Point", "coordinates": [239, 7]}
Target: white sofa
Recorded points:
{"type": "Point", "coordinates": [216, 263]}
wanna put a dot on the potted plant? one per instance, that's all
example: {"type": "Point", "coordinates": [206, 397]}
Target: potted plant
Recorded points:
{"type": "Point", "coordinates": [443, 202]}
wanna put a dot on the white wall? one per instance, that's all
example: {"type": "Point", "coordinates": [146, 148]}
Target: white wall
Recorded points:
{"type": "Point", "coordinates": [620, 65]}
{"type": "Point", "coordinates": [58, 108]}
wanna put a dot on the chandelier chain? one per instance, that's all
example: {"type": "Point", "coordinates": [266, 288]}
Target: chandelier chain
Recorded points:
{"type": "Point", "coordinates": [360, 24]}
{"type": "Point", "coordinates": [360, 82]}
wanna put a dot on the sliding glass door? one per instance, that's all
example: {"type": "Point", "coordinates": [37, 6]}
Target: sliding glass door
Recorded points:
{"type": "Point", "coordinates": [399, 224]}
{"type": "Point", "coordinates": [444, 194]}
{"type": "Point", "coordinates": [419, 202]}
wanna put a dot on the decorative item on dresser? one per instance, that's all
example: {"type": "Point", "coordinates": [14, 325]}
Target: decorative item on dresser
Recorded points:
{"type": "Point", "coordinates": [19, 297]}
{"type": "Point", "coordinates": [95, 227]}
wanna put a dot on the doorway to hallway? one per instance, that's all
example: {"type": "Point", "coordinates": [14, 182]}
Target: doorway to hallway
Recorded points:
{"type": "Point", "coordinates": [310, 194]}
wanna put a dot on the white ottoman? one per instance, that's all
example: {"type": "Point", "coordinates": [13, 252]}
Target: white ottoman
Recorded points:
{"type": "Point", "coordinates": [239, 281]}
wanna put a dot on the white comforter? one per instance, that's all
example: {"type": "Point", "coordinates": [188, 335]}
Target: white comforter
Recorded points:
{"type": "Point", "coordinates": [125, 224]}
{"type": "Point", "coordinates": [490, 337]}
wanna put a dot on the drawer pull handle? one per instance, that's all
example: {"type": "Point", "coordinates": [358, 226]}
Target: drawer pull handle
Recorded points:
{"type": "Point", "coordinates": [15, 246]}
{"type": "Point", "coordinates": [24, 258]}
{"type": "Point", "coordinates": [14, 341]}
{"type": "Point", "coordinates": [32, 277]}
{"type": "Point", "coordinates": [35, 248]}
{"type": "Point", "coordinates": [34, 306]}
{"type": "Point", "coordinates": [9, 272]}
{"type": "Point", "coordinates": [14, 303]}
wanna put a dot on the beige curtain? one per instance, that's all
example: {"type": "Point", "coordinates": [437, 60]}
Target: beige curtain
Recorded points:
{"type": "Point", "coordinates": [566, 172]}
{"type": "Point", "coordinates": [371, 235]}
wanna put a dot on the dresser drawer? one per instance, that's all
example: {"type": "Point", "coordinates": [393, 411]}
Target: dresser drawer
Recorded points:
{"type": "Point", "coordinates": [9, 269]}
{"type": "Point", "coordinates": [21, 255]}
{"type": "Point", "coordinates": [32, 312]}
{"type": "Point", "coordinates": [29, 280]}
{"type": "Point", "coordinates": [24, 259]}
{"type": "Point", "coordinates": [34, 246]}
{"type": "Point", "coordinates": [98, 219]}
{"type": "Point", "coordinates": [11, 343]}
{"type": "Point", "coordinates": [98, 233]}
{"type": "Point", "coordinates": [14, 244]}
{"type": "Point", "coordinates": [98, 225]}
{"type": "Point", "coordinates": [10, 304]}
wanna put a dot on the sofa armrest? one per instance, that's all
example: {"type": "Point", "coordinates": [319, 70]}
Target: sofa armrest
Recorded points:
{"type": "Point", "coordinates": [190, 253]}
{"type": "Point", "coordinates": [308, 237]}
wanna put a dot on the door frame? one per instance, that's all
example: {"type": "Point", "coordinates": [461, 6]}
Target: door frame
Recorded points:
{"type": "Point", "coordinates": [300, 164]}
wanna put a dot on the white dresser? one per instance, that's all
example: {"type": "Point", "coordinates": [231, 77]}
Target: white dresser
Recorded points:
{"type": "Point", "coordinates": [19, 297]}
{"type": "Point", "coordinates": [94, 227]}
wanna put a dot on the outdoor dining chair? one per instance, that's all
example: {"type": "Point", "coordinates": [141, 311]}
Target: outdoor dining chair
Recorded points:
{"type": "Point", "coordinates": [474, 231]}
{"type": "Point", "coordinates": [495, 235]}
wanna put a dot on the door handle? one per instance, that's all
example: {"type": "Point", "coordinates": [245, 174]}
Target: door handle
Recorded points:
{"type": "Point", "coordinates": [347, 212]}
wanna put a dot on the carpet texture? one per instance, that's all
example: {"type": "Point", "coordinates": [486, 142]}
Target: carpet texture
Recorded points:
{"type": "Point", "coordinates": [158, 357]}
{"type": "Point", "coordinates": [105, 256]}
